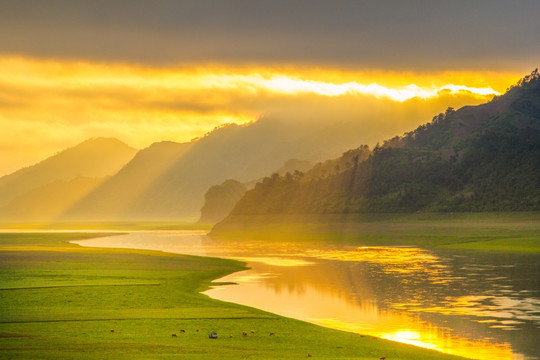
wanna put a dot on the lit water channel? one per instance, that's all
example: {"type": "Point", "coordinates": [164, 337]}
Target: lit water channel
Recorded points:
{"type": "Point", "coordinates": [474, 304]}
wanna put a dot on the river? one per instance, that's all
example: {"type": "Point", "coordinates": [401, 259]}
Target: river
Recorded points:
{"type": "Point", "coordinates": [480, 305]}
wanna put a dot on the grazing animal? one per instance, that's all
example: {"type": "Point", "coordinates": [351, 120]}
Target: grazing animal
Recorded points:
{"type": "Point", "coordinates": [173, 335]}
{"type": "Point", "coordinates": [244, 333]}
{"type": "Point", "coordinates": [308, 355]}
{"type": "Point", "coordinates": [272, 334]}
{"type": "Point", "coordinates": [230, 336]}
{"type": "Point", "coordinates": [197, 330]}
{"type": "Point", "coordinates": [182, 330]}
{"type": "Point", "coordinates": [112, 330]}
{"type": "Point", "coordinates": [382, 358]}
{"type": "Point", "coordinates": [252, 331]}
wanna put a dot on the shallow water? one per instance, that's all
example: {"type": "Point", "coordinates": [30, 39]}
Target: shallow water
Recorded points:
{"type": "Point", "coordinates": [475, 304]}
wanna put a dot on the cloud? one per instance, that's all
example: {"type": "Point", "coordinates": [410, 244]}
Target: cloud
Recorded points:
{"type": "Point", "coordinates": [424, 34]}
{"type": "Point", "coordinates": [49, 105]}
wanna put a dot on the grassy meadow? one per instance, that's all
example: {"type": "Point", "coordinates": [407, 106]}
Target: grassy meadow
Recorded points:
{"type": "Point", "coordinates": [62, 301]}
{"type": "Point", "coordinates": [514, 232]}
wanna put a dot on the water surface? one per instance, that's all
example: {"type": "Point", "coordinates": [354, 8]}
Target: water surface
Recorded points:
{"type": "Point", "coordinates": [475, 304]}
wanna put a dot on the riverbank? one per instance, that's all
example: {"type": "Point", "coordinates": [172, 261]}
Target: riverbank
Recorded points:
{"type": "Point", "coordinates": [59, 300]}
{"type": "Point", "coordinates": [514, 232]}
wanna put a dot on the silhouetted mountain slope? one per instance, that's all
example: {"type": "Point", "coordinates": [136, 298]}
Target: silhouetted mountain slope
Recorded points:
{"type": "Point", "coordinates": [293, 165]}
{"type": "Point", "coordinates": [176, 190]}
{"type": "Point", "coordinates": [93, 158]}
{"type": "Point", "coordinates": [47, 202]}
{"type": "Point", "coordinates": [477, 158]}
{"type": "Point", "coordinates": [220, 199]}
{"type": "Point", "coordinates": [116, 195]}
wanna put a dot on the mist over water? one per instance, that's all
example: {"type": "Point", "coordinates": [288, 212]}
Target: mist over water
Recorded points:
{"type": "Point", "coordinates": [475, 304]}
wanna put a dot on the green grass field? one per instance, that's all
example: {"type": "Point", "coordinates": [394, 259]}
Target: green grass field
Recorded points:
{"type": "Point", "coordinates": [61, 301]}
{"type": "Point", "coordinates": [516, 232]}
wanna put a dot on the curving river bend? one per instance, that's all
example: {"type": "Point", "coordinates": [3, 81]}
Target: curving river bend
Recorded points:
{"type": "Point", "coordinates": [475, 304]}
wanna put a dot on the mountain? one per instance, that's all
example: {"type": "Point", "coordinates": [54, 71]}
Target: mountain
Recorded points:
{"type": "Point", "coordinates": [435, 167]}
{"type": "Point", "coordinates": [47, 202]}
{"type": "Point", "coordinates": [293, 165]}
{"type": "Point", "coordinates": [171, 181]}
{"type": "Point", "coordinates": [478, 158]}
{"type": "Point", "coordinates": [92, 159]}
{"type": "Point", "coordinates": [220, 199]}
{"type": "Point", "coordinates": [118, 194]}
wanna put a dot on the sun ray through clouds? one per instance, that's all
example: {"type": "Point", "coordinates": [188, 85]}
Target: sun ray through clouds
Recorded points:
{"type": "Point", "coordinates": [70, 101]}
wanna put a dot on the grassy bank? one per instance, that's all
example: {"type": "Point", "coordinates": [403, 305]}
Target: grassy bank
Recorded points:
{"type": "Point", "coordinates": [61, 301]}
{"type": "Point", "coordinates": [518, 232]}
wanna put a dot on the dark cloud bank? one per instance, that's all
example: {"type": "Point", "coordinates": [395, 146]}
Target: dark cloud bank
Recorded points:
{"type": "Point", "coordinates": [414, 35]}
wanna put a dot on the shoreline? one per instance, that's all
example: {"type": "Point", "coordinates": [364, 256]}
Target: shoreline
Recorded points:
{"type": "Point", "coordinates": [300, 336]}
{"type": "Point", "coordinates": [502, 232]}
{"type": "Point", "coordinates": [309, 317]}
{"type": "Point", "coordinates": [217, 284]}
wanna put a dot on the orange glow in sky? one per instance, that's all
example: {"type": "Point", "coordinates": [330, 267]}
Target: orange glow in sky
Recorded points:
{"type": "Point", "coordinates": [48, 105]}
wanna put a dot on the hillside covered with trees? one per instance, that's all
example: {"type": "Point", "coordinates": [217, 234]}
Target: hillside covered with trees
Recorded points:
{"type": "Point", "coordinates": [478, 158]}
{"type": "Point", "coordinates": [220, 199]}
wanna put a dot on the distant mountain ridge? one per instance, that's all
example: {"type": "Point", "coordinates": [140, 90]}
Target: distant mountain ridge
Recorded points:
{"type": "Point", "coordinates": [92, 159]}
{"type": "Point", "coordinates": [49, 201]}
{"type": "Point", "coordinates": [177, 177]}
{"type": "Point", "coordinates": [117, 194]}
{"type": "Point", "coordinates": [167, 180]}
{"type": "Point", "coordinates": [220, 199]}
{"type": "Point", "coordinates": [478, 158]}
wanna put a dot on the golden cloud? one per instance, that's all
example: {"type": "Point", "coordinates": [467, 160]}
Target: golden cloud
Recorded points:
{"type": "Point", "coordinates": [49, 105]}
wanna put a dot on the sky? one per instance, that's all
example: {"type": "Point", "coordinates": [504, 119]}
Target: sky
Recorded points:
{"type": "Point", "coordinates": [146, 71]}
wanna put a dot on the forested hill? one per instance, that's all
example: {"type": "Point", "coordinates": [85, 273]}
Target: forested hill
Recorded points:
{"type": "Point", "coordinates": [478, 158]}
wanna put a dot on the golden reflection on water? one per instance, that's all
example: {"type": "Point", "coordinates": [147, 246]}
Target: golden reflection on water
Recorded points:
{"type": "Point", "coordinates": [322, 294]}
{"type": "Point", "coordinates": [329, 306]}
{"type": "Point", "coordinates": [436, 340]}
{"type": "Point", "coordinates": [348, 289]}
{"type": "Point", "coordinates": [392, 259]}
{"type": "Point", "coordinates": [332, 309]}
{"type": "Point", "coordinates": [409, 337]}
{"type": "Point", "coordinates": [274, 261]}
{"type": "Point", "coordinates": [515, 311]}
